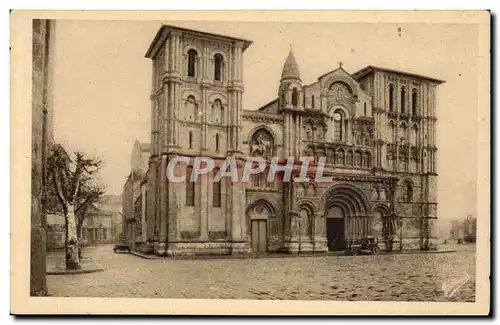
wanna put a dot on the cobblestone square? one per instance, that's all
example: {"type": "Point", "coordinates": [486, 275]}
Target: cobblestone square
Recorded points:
{"type": "Point", "coordinates": [415, 277]}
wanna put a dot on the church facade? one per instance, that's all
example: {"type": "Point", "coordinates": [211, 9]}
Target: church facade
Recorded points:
{"type": "Point", "coordinates": [375, 128]}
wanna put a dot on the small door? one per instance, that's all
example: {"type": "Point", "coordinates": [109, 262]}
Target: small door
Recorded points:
{"type": "Point", "coordinates": [255, 235]}
{"type": "Point", "coordinates": [259, 236]}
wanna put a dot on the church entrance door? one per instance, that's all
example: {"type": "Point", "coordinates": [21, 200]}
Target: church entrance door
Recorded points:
{"type": "Point", "coordinates": [259, 236]}
{"type": "Point", "coordinates": [335, 229]}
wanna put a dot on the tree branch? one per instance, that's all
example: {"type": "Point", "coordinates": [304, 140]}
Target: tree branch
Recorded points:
{"type": "Point", "coordinates": [59, 193]}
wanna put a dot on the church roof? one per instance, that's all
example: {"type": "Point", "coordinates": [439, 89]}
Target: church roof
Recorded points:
{"type": "Point", "coordinates": [291, 68]}
{"type": "Point", "coordinates": [165, 29]}
{"type": "Point", "coordinates": [369, 69]}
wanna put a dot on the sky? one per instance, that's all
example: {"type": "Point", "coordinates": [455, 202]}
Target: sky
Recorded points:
{"type": "Point", "coordinates": [102, 83]}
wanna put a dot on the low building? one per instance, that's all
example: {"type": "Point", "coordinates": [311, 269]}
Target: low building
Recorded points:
{"type": "Point", "coordinates": [133, 197]}
{"type": "Point", "coordinates": [98, 228]}
{"type": "Point", "coordinates": [113, 205]}
{"type": "Point", "coordinates": [101, 226]}
{"type": "Point", "coordinates": [56, 232]}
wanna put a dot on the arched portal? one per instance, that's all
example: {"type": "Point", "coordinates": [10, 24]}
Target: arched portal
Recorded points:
{"type": "Point", "coordinates": [258, 214]}
{"type": "Point", "coordinates": [347, 215]}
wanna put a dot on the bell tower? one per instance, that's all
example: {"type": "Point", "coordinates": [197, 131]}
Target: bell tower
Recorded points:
{"type": "Point", "coordinates": [196, 111]}
{"type": "Point", "coordinates": [290, 92]}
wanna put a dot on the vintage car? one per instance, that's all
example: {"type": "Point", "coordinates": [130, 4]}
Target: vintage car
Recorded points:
{"type": "Point", "coordinates": [121, 246]}
{"type": "Point", "coordinates": [367, 244]}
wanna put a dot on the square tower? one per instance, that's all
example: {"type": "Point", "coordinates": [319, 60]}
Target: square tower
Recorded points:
{"type": "Point", "coordinates": [196, 109]}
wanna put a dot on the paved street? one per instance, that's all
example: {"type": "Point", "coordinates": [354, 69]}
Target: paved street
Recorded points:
{"type": "Point", "coordinates": [416, 277]}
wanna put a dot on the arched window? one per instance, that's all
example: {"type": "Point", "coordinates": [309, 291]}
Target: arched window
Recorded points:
{"type": "Point", "coordinates": [402, 133]}
{"type": "Point", "coordinates": [390, 161]}
{"type": "Point", "coordinates": [367, 160]}
{"type": "Point", "coordinates": [191, 108]}
{"type": "Point", "coordinates": [414, 131]}
{"type": "Point", "coordinates": [357, 159]}
{"type": "Point", "coordinates": [340, 157]}
{"type": "Point", "coordinates": [349, 158]}
{"type": "Point", "coordinates": [218, 67]}
{"type": "Point", "coordinates": [364, 107]}
{"type": "Point", "coordinates": [189, 187]}
{"type": "Point", "coordinates": [402, 162]}
{"type": "Point", "coordinates": [216, 191]}
{"type": "Point", "coordinates": [319, 134]}
{"type": "Point", "coordinates": [414, 102]}
{"type": "Point", "coordinates": [414, 163]}
{"type": "Point", "coordinates": [218, 111]}
{"type": "Point", "coordinates": [392, 130]}
{"type": "Point", "coordinates": [407, 192]}
{"type": "Point", "coordinates": [295, 97]}
{"type": "Point", "coordinates": [312, 101]}
{"type": "Point", "coordinates": [192, 57]}
{"type": "Point", "coordinates": [338, 126]}
{"type": "Point", "coordinates": [403, 100]}
{"type": "Point", "coordinates": [217, 142]}
{"type": "Point", "coordinates": [190, 139]}
{"type": "Point", "coordinates": [391, 98]}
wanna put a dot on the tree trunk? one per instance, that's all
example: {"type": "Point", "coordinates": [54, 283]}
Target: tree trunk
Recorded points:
{"type": "Point", "coordinates": [79, 224]}
{"type": "Point", "coordinates": [80, 241]}
{"type": "Point", "coordinates": [72, 258]}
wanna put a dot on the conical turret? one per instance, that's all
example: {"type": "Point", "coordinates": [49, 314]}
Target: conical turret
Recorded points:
{"type": "Point", "coordinates": [291, 68]}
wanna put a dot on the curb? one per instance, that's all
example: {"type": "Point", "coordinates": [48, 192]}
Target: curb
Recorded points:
{"type": "Point", "coordinates": [96, 268]}
{"type": "Point", "coordinates": [251, 256]}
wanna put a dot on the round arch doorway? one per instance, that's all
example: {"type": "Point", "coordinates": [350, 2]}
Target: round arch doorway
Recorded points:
{"type": "Point", "coordinates": [347, 215]}
{"type": "Point", "coordinates": [335, 229]}
{"type": "Point", "coordinates": [258, 214]}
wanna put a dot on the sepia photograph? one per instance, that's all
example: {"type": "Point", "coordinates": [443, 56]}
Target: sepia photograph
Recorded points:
{"type": "Point", "coordinates": [297, 160]}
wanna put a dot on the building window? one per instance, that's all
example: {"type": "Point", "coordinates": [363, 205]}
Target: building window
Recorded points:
{"type": "Point", "coordinates": [312, 101]}
{"type": "Point", "coordinates": [192, 57]}
{"type": "Point", "coordinates": [391, 98]}
{"type": "Point", "coordinates": [364, 109]}
{"type": "Point", "coordinates": [390, 161]}
{"type": "Point", "coordinates": [392, 130]}
{"type": "Point", "coordinates": [357, 159]}
{"type": "Point", "coordinates": [340, 158]}
{"type": "Point", "coordinates": [218, 67]}
{"type": "Point", "coordinates": [218, 111]}
{"type": "Point", "coordinates": [407, 192]}
{"type": "Point", "coordinates": [402, 162]}
{"type": "Point", "coordinates": [349, 158]}
{"type": "Point", "coordinates": [189, 187]}
{"type": "Point", "coordinates": [415, 135]}
{"type": "Point", "coordinates": [190, 139]}
{"type": "Point", "coordinates": [338, 125]}
{"type": "Point", "coordinates": [295, 97]}
{"type": "Point", "coordinates": [217, 142]}
{"type": "Point", "coordinates": [414, 102]}
{"type": "Point", "coordinates": [366, 160]}
{"type": "Point", "coordinates": [402, 133]}
{"type": "Point", "coordinates": [191, 108]}
{"type": "Point", "coordinates": [403, 100]}
{"type": "Point", "coordinates": [216, 190]}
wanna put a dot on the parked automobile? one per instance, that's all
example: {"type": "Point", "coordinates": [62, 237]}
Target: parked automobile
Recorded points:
{"type": "Point", "coordinates": [121, 248]}
{"type": "Point", "coordinates": [368, 244]}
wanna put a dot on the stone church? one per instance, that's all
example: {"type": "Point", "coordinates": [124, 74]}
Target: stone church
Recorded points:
{"type": "Point", "coordinates": [375, 127]}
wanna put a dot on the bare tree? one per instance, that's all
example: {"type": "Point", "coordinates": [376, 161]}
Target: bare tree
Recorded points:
{"type": "Point", "coordinates": [75, 191]}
